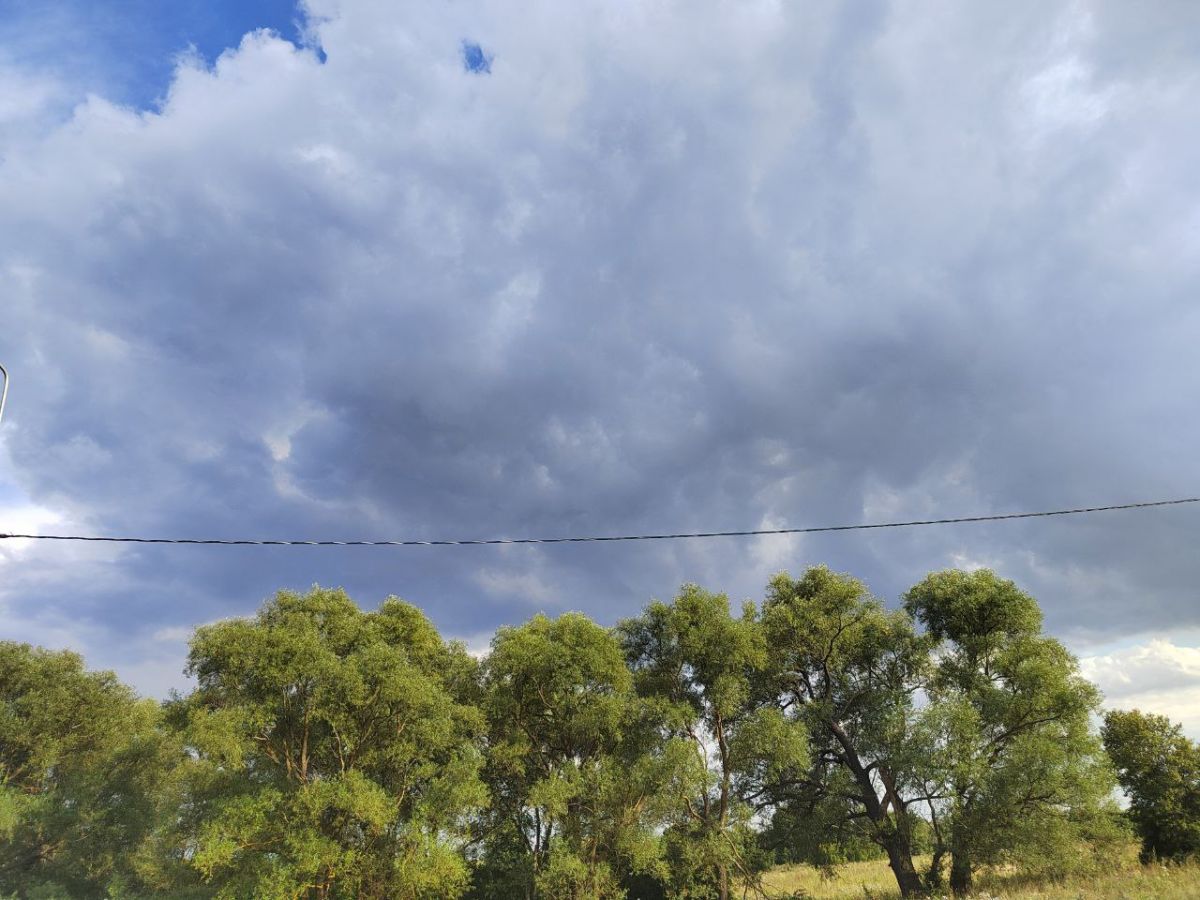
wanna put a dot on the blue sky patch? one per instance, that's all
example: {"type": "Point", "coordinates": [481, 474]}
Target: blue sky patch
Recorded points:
{"type": "Point", "coordinates": [127, 49]}
{"type": "Point", "coordinates": [474, 59]}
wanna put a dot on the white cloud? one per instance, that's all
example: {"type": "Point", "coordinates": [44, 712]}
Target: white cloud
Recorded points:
{"type": "Point", "coordinates": [173, 634]}
{"type": "Point", "coordinates": [523, 586]}
{"type": "Point", "coordinates": [774, 552]}
{"type": "Point", "coordinates": [29, 103]}
{"type": "Point", "coordinates": [1157, 676]}
{"type": "Point", "coordinates": [24, 518]}
{"type": "Point", "coordinates": [1154, 666]}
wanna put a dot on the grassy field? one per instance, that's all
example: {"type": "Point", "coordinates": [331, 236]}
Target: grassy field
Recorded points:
{"type": "Point", "coordinates": [1127, 880]}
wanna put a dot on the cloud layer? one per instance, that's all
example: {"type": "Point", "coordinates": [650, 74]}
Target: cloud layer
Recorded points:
{"type": "Point", "coordinates": [1156, 676]}
{"type": "Point", "coordinates": [665, 267]}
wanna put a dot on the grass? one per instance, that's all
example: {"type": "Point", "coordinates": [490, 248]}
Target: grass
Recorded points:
{"type": "Point", "coordinates": [857, 880]}
{"type": "Point", "coordinates": [1126, 880]}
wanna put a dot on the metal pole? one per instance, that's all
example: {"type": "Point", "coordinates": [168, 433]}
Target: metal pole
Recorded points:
{"type": "Point", "coordinates": [3, 391]}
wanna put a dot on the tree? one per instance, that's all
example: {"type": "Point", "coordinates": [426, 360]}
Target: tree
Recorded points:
{"type": "Point", "coordinates": [702, 663]}
{"type": "Point", "coordinates": [82, 763]}
{"type": "Point", "coordinates": [1159, 768]}
{"type": "Point", "coordinates": [572, 765]}
{"type": "Point", "coordinates": [1023, 775]}
{"type": "Point", "coordinates": [331, 756]}
{"type": "Point", "coordinates": [847, 670]}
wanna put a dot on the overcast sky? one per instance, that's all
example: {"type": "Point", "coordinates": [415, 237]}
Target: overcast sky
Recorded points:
{"type": "Point", "coordinates": [363, 269]}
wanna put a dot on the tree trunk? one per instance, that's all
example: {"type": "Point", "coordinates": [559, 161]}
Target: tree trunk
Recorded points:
{"type": "Point", "coordinates": [933, 880]}
{"type": "Point", "coordinates": [723, 881]}
{"type": "Point", "coordinates": [896, 837]}
{"type": "Point", "coordinates": [960, 871]}
{"type": "Point", "coordinates": [899, 851]}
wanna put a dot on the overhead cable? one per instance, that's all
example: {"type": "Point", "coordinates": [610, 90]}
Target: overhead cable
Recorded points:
{"type": "Point", "coordinates": [755, 532]}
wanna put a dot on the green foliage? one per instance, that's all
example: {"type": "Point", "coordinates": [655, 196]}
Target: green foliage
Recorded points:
{"type": "Point", "coordinates": [847, 669]}
{"type": "Point", "coordinates": [330, 752]}
{"type": "Point", "coordinates": [1159, 769]}
{"type": "Point", "coordinates": [330, 756]}
{"type": "Point", "coordinates": [975, 735]}
{"type": "Point", "coordinates": [82, 769]}
{"type": "Point", "coordinates": [795, 834]}
{"type": "Point", "coordinates": [573, 765]}
{"type": "Point", "coordinates": [703, 666]}
{"type": "Point", "coordinates": [1021, 776]}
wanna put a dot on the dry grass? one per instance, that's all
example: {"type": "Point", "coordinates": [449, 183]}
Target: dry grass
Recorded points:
{"type": "Point", "coordinates": [1127, 880]}
{"type": "Point", "coordinates": [857, 880]}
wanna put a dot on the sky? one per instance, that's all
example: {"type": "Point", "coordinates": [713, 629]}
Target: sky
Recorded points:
{"type": "Point", "coordinates": [359, 269]}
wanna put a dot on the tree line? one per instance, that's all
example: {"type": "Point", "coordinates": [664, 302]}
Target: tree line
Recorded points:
{"type": "Point", "coordinates": [331, 752]}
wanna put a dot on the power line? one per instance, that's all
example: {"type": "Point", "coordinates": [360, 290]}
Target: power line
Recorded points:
{"type": "Point", "coordinates": [600, 538]}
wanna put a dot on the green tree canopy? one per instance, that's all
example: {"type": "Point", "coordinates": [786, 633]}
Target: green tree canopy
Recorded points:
{"type": "Point", "coordinates": [82, 764]}
{"type": "Point", "coordinates": [329, 752]}
{"type": "Point", "coordinates": [331, 756]}
{"type": "Point", "coordinates": [847, 670]}
{"type": "Point", "coordinates": [1023, 777]}
{"type": "Point", "coordinates": [573, 765]}
{"type": "Point", "coordinates": [703, 663]}
{"type": "Point", "coordinates": [1159, 768]}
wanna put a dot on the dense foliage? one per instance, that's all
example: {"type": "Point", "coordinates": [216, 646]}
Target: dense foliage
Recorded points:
{"type": "Point", "coordinates": [704, 663]}
{"type": "Point", "coordinates": [1017, 770]}
{"type": "Point", "coordinates": [1159, 769]}
{"type": "Point", "coordinates": [847, 670]}
{"type": "Point", "coordinates": [82, 766]}
{"type": "Point", "coordinates": [327, 751]}
{"type": "Point", "coordinates": [574, 771]}
{"type": "Point", "coordinates": [329, 756]}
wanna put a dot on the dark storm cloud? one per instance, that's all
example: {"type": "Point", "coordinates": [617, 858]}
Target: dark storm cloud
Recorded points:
{"type": "Point", "coordinates": [665, 269]}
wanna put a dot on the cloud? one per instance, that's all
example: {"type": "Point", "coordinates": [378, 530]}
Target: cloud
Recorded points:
{"type": "Point", "coordinates": [516, 586]}
{"type": "Point", "coordinates": [1156, 676]}
{"type": "Point", "coordinates": [22, 517]}
{"type": "Point", "coordinates": [667, 268]}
